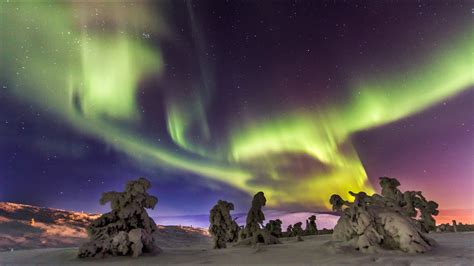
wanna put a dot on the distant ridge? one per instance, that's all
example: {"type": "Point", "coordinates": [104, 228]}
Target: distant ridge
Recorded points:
{"type": "Point", "coordinates": [25, 227]}
{"type": "Point", "coordinates": [324, 219]}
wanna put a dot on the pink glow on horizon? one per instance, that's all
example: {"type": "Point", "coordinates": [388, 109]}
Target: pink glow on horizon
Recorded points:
{"type": "Point", "coordinates": [465, 216]}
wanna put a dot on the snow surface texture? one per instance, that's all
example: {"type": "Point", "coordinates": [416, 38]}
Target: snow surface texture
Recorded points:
{"type": "Point", "coordinates": [453, 249]}
{"type": "Point", "coordinates": [378, 223]}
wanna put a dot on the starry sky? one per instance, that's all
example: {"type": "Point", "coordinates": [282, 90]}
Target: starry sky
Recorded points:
{"type": "Point", "coordinates": [221, 99]}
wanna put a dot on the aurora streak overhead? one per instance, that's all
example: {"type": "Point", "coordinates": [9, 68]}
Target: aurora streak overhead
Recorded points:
{"type": "Point", "coordinates": [87, 66]}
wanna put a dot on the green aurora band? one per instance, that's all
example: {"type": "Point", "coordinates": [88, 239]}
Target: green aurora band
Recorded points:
{"type": "Point", "coordinates": [89, 79]}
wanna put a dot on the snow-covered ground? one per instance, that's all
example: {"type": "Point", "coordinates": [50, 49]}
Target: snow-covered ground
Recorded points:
{"type": "Point", "coordinates": [453, 249]}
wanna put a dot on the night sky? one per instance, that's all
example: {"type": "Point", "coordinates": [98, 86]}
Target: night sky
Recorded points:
{"type": "Point", "coordinates": [221, 99]}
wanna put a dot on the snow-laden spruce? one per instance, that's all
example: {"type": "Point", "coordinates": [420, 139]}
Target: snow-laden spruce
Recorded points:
{"type": "Point", "coordinates": [127, 229]}
{"type": "Point", "coordinates": [385, 222]}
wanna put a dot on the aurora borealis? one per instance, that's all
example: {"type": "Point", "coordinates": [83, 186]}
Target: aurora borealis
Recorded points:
{"type": "Point", "coordinates": [228, 98]}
